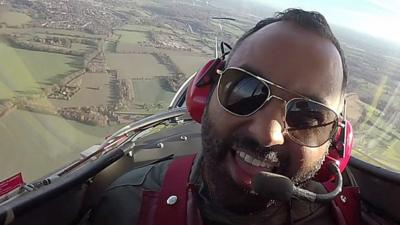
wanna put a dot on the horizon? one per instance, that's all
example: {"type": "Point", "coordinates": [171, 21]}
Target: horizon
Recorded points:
{"type": "Point", "coordinates": [372, 17]}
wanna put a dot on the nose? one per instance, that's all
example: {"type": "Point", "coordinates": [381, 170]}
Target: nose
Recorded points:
{"type": "Point", "coordinates": [266, 125]}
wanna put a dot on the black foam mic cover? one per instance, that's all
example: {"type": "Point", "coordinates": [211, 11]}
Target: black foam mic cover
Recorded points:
{"type": "Point", "coordinates": [281, 188]}
{"type": "Point", "coordinates": [272, 186]}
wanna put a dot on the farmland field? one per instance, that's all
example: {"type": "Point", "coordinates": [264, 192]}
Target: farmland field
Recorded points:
{"type": "Point", "coordinates": [13, 18]}
{"type": "Point", "coordinates": [95, 90]}
{"type": "Point", "coordinates": [83, 47]}
{"type": "Point", "coordinates": [131, 37]}
{"type": "Point", "coordinates": [150, 92]}
{"type": "Point", "coordinates": [189, 64]}
{"type": "Point", "coordinates": [23, 71]}
{"type": "Point", "coordinates": [144, 71]}
{"type": "Point", "coordinates": [136, 65]}
{"type": "Point", "coordinates": [135, 27]}
{"type": "Point", "coordinates": [388, 159]}
{"type": "Point", "coordinates": [377, 140]}
{"type": "Point", "coordinates": [42, 143]}
{"type": "Point", "coordinates": [48, 31]}
{"type": "Point", "coordinates": [129, 40]}
{"type": "Point", "coordinates": [73, 33]}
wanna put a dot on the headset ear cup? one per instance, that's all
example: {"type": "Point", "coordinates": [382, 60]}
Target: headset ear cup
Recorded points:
{"type": "Point", "coordinates": [347, 145]}
{"type": "Point", "coordinates": [339, 152]}
{"type": "Point", "coordinates": [200, 87]}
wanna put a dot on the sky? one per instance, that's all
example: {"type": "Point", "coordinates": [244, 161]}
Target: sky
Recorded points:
{"type": "Point", "coordinates": [379, 18]}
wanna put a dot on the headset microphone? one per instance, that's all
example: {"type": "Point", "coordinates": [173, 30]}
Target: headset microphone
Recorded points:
{"type": "Point", "coordinates": [281, 188]}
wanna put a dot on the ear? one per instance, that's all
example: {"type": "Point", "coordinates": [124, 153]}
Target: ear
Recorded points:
{"type": "Point", "coordinates": [201, 86]}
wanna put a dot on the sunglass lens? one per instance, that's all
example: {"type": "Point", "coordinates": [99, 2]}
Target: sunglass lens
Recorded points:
{"type": "Point", "coordinates": [310, 123]}
{"type": "Point", "coordinates": [240, 92]}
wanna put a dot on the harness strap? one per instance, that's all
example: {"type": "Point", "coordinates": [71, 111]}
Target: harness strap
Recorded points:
{"type": "Point", "coordinates": [173, 198]}
{"type": "Point", "coordinates": [346, 206]}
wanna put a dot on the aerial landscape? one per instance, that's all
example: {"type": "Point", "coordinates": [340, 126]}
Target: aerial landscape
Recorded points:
{"type": "Point", "coordinates": [74, 71]}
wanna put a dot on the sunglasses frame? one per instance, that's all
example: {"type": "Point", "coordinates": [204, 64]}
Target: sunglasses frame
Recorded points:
{"type": "Point", "coordinates": [286, 127]}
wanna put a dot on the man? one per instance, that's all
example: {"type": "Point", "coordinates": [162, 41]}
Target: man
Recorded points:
{"type": "Point", "coordinates": [255, 121]}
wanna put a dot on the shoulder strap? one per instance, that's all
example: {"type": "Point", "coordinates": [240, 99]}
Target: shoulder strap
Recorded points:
{"type": "Point", "coordinates": [346, 206]}
{"type": "Point", "coordinates": [172, 202]}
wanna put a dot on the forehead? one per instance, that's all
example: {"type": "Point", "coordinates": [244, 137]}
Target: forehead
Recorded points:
{"type": "Point", "coordinates": [295, 58]}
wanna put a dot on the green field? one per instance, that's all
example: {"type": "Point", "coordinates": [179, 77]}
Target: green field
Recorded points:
{"type": "Point", "coordinates": [136, 65]}
{"type": "Point", "coordinates": [143, 70]}
{"type": "Point", "coordinates": [129, 40]}
{"type": "Point", "coordinates": [135, 27]}
{"type": "Point", "coordinates": [377, 141]}
{"type": "Point", "coordinates": [71, 33]}
{"type": "Point", "coordinates": [389, 160]}
{"type": "Point", "coordinates": [25, 72]}
{"type": "Point", "coordinates": [131, 37]}
{"type": "Point", "coordinates": [37, 144]}
{"type": "Point", "coordinates": [13, 18]}
{"type": "Point", "coordinates": [189, 64]}
{"type": "Point", "coordinates": [150, 92]}
{"type": "Point", "coordinates": [83, 47]}
{"type": "Point", "coordinates": [95, 90]}
{"type": "Point", "coordinates": [50, 31]}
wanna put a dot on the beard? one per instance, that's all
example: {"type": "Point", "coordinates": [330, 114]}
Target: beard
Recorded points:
{"type": "Point", "coordinates": [223, 190]}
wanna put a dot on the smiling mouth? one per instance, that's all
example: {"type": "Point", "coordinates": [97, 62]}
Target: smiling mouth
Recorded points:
{"type": "Point", "coordinates": [268, 162]}
{"type": "Point", "coordinates": [243, 164]}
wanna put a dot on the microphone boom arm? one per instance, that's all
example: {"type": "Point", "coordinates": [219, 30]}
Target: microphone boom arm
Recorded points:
{"type": "Point", "coordinates": [314, 197]}
{"type": "Point", "coordinates": [281, 188]}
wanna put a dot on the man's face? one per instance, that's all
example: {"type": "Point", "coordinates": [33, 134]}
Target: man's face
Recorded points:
{"type": "Point", "coordinates": [297, 59]}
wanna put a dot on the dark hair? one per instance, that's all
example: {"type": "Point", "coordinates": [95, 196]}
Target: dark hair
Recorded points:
{"type": "Point", "coordinates": [313, 21]}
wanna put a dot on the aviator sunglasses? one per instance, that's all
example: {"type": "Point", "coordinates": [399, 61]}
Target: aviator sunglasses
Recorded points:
{"type": "Point", "coordinates": [306, 122]}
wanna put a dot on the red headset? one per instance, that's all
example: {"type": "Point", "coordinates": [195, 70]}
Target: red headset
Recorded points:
{"type": "Point", "coordinates": [197, 96]}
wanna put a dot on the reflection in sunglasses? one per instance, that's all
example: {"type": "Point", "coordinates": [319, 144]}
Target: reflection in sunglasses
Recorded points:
{"type": "Point", "coordinates": [242, 94]}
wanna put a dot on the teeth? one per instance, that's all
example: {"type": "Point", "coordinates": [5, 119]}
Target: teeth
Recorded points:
{"type": "Point", "coordinates": [248, 159]}
{"type": "Point", "coordinates": [256, 162]}
{"type": "Point", "coordinates": [252, 161]}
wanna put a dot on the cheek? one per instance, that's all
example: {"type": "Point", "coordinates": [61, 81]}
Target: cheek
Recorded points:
{"type": "Point", "coordinates": [303, 159]}
{"type": "Point", "coordinates": [223, 122]}
{"type": "Point", "coordinates": [313, 156]}
{"type": "Point", "coordinates": [213, 105]}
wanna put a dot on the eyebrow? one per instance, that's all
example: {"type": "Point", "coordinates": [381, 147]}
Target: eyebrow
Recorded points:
{"type": "Point", "coordinates": [317, 99]}
{"type": "Point", "coordinates": [259, 74]}
{"type": "Point", "coordinates": [251, 70]}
